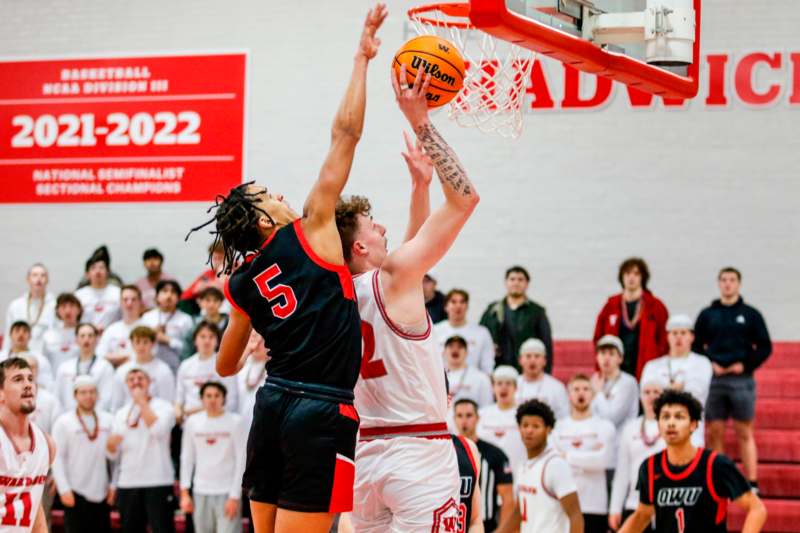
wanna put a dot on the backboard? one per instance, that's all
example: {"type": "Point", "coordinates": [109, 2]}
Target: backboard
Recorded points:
{"type": "Point", "coordinates": [651, 45]}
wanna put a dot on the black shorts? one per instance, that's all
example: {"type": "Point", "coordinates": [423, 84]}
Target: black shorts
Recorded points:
{"type": "Point", "coordinates": [301, 448]}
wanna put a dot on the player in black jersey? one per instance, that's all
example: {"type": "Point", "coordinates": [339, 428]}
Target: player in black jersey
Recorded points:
{"type": "Point", "coordinates": [688, 488]}
{"type": "Point", "coordinates": [294, 289]}
{"type": "Point", "coordinates": [469, 468]}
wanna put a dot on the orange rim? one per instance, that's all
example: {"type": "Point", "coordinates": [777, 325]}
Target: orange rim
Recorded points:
{"type": "Point", "coordinates": [460, 9]}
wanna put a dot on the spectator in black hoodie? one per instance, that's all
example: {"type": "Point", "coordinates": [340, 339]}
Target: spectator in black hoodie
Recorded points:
{"type": "Point", "coordinates": [734, 336]}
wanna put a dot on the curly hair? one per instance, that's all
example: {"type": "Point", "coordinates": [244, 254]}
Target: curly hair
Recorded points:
{"type": "Point", "coordinates": [536, 408]}
{"type": "Point", "coordinates": [347, 211]}
{"type": "Point", "coordinates": [674, 397]}
{"type": "Point", "coordinates": [236, 217]}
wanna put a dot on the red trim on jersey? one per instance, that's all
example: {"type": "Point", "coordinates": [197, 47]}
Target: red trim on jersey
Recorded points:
{"type": "Point", "coordinates": [344, 477]}
{"type": "Point", "coordinates": [651, 476]}
{"type": "Point", "coordinates": [465, 443]}
{"type": "Point", "coordinates": [438, 430]}
{"type": "Point", "coordinates": [394, 327]}
{"type": "Point", "coordinates": [686, 473]}
{"type": "Point", "coordinates": [31, 434]}
{"type": "Point", "coordinates": [227, 292]}
{"type": "Point", "coordinates": [349, 411]}
{"type": "Point", "coordinates": [722, 503]}
{"type": "Point", "coordinates": [343, 272]}
{"type": "Point", "coordinates": [544, 486]}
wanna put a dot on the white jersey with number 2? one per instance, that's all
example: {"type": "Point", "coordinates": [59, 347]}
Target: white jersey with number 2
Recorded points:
{"type": "Point", "coordinates": [22, 479]}
{"type": "Point", "coordinates": [402, 383]}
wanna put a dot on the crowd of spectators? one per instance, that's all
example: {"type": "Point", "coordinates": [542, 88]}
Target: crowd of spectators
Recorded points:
{"type": "Point", "coordinates": [142, 421]}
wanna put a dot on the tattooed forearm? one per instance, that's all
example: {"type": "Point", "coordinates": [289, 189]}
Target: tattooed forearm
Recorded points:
{"type": "Point", "coordinates": [448, 167]}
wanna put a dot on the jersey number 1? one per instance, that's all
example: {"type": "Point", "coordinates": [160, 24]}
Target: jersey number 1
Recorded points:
{"type": "Point", "coordinates": [279, 309]}
{"type": "Point", "coordinates": [10, 515]}
{"type": "Point", "coordinates": [680, 516]}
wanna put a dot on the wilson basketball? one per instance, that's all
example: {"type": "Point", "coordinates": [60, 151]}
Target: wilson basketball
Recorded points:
{"type": "Point", "coordinates": [437, 57]}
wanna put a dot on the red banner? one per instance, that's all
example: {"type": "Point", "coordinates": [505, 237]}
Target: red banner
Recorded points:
{"type": "Point", "coordinates": [168, 128]}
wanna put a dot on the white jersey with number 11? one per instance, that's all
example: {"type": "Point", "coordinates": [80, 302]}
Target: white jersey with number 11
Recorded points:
{"type": "Point", "coordinates": [22, 478]}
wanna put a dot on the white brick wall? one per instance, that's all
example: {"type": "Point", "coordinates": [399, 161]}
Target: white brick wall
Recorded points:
{"type": "Point", "coordinates": [690, 190]}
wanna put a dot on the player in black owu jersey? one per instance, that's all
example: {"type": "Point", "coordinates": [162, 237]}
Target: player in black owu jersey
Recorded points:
{"type": "Point", "coordinates": [688, 488]}
{"type": "Point", "coordinates": [294, 289]}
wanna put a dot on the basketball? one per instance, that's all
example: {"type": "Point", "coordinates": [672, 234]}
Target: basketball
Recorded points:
{"type": "Point", "coordinates": [437, 57]}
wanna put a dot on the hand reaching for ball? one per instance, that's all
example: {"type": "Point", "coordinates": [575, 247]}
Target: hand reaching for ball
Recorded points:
{"type": "Point", "coordinates": [368, 47]}
{"type": "Point", "coordinates": [412, 100]}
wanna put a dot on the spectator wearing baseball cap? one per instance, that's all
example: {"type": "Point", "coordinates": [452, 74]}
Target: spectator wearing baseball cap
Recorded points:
{"type": "Point", "coordinates": [534, 383]}
{"type": "Point", "coordinates": [498, 421]}
{"type": "Point", "coordinates": [80, 468]}
{"type": "Point", "coordinates": [616, 393]}
{"type": "Point", "coordinates": [153, 262]}
{"type": "Point", "coordinates": [465, 381]}
{"type": "Point", "coordinates": [636, 316]}
{"type": "Point", "coordinates": [682, 369]}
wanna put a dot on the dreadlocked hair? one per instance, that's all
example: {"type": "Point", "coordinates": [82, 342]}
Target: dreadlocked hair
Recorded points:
{"type": "Point", "coordinates": [236, 217]}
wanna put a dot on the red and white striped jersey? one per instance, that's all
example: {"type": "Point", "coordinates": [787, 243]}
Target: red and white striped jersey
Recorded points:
{"type": "Point", "coordinates": [401, 390]}
{"type": "Point", "coordinates": [22, 478]}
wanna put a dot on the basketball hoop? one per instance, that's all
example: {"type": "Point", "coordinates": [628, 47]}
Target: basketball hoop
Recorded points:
{"type": "Point", "coordinates": [497, 71]}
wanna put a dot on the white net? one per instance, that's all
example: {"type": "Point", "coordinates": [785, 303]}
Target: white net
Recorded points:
{"type": "Point", "coordinates": [497, 74]}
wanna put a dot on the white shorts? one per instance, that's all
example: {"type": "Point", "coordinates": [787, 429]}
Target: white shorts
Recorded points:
{"type": "Point", "coordinates": [406, 485]}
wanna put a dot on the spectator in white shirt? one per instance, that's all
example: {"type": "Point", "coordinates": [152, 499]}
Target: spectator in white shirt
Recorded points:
{"type": "Point", "coordinates": [210, 300]}
{"type": "Point", "coordinates": [19, 337]}
{"type": "Point", "coordinates": [59, 339]}
{"type": "Point", "coordinates": [170, 324]}
{"type": "Point", "coordinates": [100, 299]}
{"type": "Point", "coordinates": [86, 363]}
{"type": "Point", "coordinates": [200, 369]}
{"type": "Point", "coordinates": [480, 346]}
{"type": "Point", "coordinates": [616, 393]}
{"type": "Point", "coordinates": [587, 443]}
{"type": "Point", "coordinates": [252, 375]}
{"type": "Point", "coordinates": [682, 369]}
{"type": "Point", "coordinates": [140, 442]}
{"type": "Point", "coordinates": [36, 307]}
{"type": "Point", "coordinates": [213, 453]}
{"type": "Point", "coordinates": [48, 407]}
{"type": "Point", "coordinates": [498, 423]}
{"type": "Point", "coordinates": [465, 381]}
{"type": "Point", "coordinates": [80, 469]}
{"type": "Point", "coordinates": [534, 383]}
{"type": "Point", "coordinates": [638, 440]}
{"type": "Point", "coordinates": [162, 381]}
{"type": "Point", "coordinates": [115, 344]}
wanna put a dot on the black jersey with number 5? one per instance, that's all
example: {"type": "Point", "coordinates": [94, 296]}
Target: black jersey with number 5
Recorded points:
{"type": "Point", "coordinates": [692, 498]}
{"type": "Point", "coordinates": [304, 307]}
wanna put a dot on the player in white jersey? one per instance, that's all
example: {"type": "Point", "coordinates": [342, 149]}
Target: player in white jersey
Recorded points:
{"type": "Point", "coordinates": [547, 497]}
{"type": "Point", "coordinates": [407, 477]}
{"type": "Point", "coordinates": [26, 452]}
{"type": "Point", "coordinates": [638, 440]}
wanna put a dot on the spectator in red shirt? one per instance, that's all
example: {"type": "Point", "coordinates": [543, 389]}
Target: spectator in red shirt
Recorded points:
{"type": "Point", "coordinates": [636, 316]}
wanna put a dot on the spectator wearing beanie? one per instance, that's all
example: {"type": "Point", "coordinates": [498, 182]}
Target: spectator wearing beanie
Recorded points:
{"type": "Point", "coordinates": [99, 299]}
{"type": "Point", "coordinates": [534, 383]}
{"type": "Point", "coordinates": [85, 363]}
{"type": "Point", "coordinates": [636, 316]}
{"type": "Point", "coordinates": [480, 347]}
{"type": "Point", "coordinates": [170, 324]}
{"type": "Point", "coordinates": [140, 441]}
{"type": "Point", "coordinates": [115, 344]}
{"type": "Point", "coordinates": [213, 454]}
{"type": "Point", "coordinates": [464, 380]}
{"type": "Point", "coordinates": [153, 260]}
{"type": "Point", "coordinates": [36, 307]}
{"type": "Point", "coordinates": [515, 318]}
{"type": "Point", "coordinates": [616, 393]}
{"type": "Point", "coordinates": [80, 468]}
{"type": "Point", "coordinates": [59, 340]}
{"type": "Point", "coordinates": [160, 377]}
{"type": "Point", "coordinates": [682, 369]}
{"type": "Point", "coordinates": [735, 338]}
